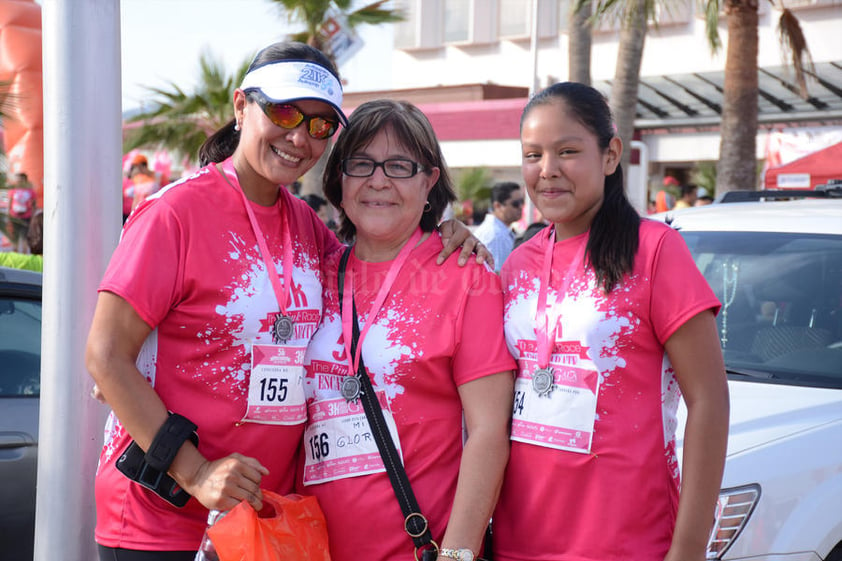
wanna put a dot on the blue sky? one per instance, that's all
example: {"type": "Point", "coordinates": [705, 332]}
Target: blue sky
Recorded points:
{"type": "Point", "coordinates": [161, 41]}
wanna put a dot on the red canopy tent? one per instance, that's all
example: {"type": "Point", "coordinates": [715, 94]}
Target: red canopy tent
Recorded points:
{"type": "Point", "coordinates": [807, 172]}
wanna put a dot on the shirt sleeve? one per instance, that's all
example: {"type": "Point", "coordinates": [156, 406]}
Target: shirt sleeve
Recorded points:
{"type": "Point", "coordinates": [146, 269]}
{"type": "Point", "coordinates": [481, 349]}
{"type": "Point", "coordinates": [679, 290]}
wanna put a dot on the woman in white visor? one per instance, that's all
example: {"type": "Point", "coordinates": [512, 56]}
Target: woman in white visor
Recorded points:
{"type": "Point", "coordinates": [215, 283]}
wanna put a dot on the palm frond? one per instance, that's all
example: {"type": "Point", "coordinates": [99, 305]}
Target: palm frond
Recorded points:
{"type": "Point", "coordinates": [374, 14]}
{"type": "Point", "coordinates": [578, 5]}
{"type": "Point", "coordinates": [794, 44]}
{"type": "Point", "coordinates": [711, 10]}
{"type": "Point", "coordinates": [8, 100]}
{"type": "Point", "coordinates": [619, 11]}
{"type": "Point", "coordinates": [181, 121]}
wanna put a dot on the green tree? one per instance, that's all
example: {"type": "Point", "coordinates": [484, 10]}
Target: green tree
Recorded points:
{"type": "Point", "coordinates": [737, 167]}
{"type": "Point", "coordinates": [474, 184]}
{"type": "Point", "coordinates": [181, 121]}
{"type": "Point", "coordinates": [312, 14]}
{"type": "Point", "coordinates": [7, 100]}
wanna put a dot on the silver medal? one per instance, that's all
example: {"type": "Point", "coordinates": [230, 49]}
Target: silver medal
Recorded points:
{"type": "Point", "coordinates": [282, 330]}
{"type": "Point", "coordinates": [543, 381]}
{"type": "Point", "coordinates": [350, 388]}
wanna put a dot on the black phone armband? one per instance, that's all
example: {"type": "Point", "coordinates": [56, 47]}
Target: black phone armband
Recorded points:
{"type": "Point", "coordinates": [150, 468]}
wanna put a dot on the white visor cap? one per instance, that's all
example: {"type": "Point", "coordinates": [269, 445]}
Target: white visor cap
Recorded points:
{"type": "Point", "coordinates": [289, 80]}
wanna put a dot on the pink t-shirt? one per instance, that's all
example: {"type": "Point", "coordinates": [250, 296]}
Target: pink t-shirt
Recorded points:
{"type": "Point", "coordinates": [189, 264]}
{"type": "Point", "coordinates": [619, 500]}
{"type": "Point", "coordinates": [440, 327]}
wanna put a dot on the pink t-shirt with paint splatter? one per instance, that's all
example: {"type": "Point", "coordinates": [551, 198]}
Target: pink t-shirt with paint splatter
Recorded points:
{"type": "Point", "coordinates": [619, 501]}
{"type": "Point", "coordinates": [189, 264]}
{"type": "Point", "coordinates": [440, 327]}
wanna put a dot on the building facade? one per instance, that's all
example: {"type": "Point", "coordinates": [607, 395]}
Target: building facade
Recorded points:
{"type": "Point", "coordinates": [448, 46]}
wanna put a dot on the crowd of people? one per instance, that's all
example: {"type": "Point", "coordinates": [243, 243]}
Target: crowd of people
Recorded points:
{"type": "Point", "coordinates": [239, 327]}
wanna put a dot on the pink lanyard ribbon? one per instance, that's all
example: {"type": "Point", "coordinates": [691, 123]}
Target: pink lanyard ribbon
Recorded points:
{"type": "Point", "coordinates": [281, 295]}
{"type": "Point", "coordinates": [348, 294]}
{"type": "Point", "coordinates": [544, 320]}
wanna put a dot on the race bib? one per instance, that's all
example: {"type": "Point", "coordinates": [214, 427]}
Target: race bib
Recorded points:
{"type": "Point", "coordinates": [338, 442]}
{"type": "Point", "coordinates": [562, 418]}
{"type": "Point", "coordinates": [276, 386]}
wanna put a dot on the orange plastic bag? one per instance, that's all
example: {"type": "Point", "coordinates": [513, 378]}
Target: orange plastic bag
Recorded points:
{"type": "Point", "coordinates": [289, 528]}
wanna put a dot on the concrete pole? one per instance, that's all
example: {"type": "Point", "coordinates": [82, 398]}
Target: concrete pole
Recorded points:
{"type": "Point", "coordinates": [82, 215]}
{"type": "Point", "coordinates": [529, 207]}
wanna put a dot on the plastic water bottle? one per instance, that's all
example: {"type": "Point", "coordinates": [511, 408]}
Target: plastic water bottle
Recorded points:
{"type": "Point", "coordinates": [207, 552]}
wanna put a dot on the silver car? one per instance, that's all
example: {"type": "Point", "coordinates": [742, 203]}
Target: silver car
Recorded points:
{"type": "Point", "coordinates": [20, 387]}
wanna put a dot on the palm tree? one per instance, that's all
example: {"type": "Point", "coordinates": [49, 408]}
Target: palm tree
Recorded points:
{"type": "Point", "coordinates": [7, 100]}
{"type": "Point", "coordinates": [313, 13]}
{"type": "Point", "coordinates": [181, 121]}
{"type": "Point", "coordinates": [579, 42]}
{"type": "Point", "coordinates": [737, 168]}
{"type": "Point", "coordinates": [627, 77]}
{"type": "Point", "coordinates": [633, 16]}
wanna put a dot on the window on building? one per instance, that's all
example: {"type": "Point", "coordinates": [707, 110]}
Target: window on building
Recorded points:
{"type": "Point", "coordinates": [457, 14]}
{"type": "Point", "coordinates": [405, 31]}
{"type": "Point", "coordinates": [515, 18]}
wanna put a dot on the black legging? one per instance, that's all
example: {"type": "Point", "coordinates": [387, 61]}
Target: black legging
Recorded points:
{"type": "Point", "coordinates": [118, 554]}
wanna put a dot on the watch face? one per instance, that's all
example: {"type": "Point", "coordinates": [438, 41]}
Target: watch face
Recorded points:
{"type": "Point", "coordinates": [466, 555]}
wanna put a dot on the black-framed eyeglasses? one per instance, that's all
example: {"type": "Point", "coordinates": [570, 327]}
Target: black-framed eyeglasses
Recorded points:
{"type": "Point", "coordinates": [288, 116]}
{"type": "Point", "coordinates": [516, 203]}
{"type": "Point", "coordinates": [396, 168]}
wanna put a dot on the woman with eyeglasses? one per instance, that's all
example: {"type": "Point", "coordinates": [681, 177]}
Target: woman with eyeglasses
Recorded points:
{"type": "Point", "coordinates": [217, 279]}
{"type": "Point", "coordinates": [431, 342]}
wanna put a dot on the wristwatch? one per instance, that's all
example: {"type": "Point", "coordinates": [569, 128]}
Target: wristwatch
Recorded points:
{"type": "Point", "coordinates": [462, 554]}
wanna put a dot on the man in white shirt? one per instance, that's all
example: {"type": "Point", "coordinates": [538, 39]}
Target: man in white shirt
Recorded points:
{"type": "Point", "coordinates": [495, 232]}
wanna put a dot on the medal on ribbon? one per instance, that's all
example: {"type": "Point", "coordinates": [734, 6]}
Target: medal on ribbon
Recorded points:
{"type": "Point", "coordinates": [282, 329]}
{"type": "Point", "coordinates": [350, 388]}
{"type": "Point", "coordinates": [543, 381]}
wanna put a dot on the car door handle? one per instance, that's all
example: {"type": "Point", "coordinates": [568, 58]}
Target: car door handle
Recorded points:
{"type": "Point", "coordinates": [15, 440]}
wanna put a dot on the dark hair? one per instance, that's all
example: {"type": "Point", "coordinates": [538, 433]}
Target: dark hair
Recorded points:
{"type": "Point", "coordinates": [413, 131]}
{"type": "Point", "coordinates": [221, 144]}
{"type": "Point", "coordinates": [35, 233]}
{"type": "Point", "coordinates": [688, 189]}
{"type": "Point", "coordinates": [502, 191]}
{"type": "Point", "coordinates": [614, 234]}
{"type": "Point", "coordinates": [314, 201]}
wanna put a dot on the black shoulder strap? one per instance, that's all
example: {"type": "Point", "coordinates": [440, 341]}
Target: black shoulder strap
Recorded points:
{"type": "Point", "coordinates": [415, 523]}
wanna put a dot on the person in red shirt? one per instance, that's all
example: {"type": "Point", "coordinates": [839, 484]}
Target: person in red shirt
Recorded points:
{"type": "Point", "coordinates": [611, 322]}
{"type": "Point", "coordinates": [432, 343]}
{"type": "Point", "coordinates": [215, 279]}
{"type": "Point", "coordinates": [22, 204]}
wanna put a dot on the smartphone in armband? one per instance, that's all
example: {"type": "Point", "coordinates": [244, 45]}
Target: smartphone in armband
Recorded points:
{"type": "Point", "coordinates": [132, 463]}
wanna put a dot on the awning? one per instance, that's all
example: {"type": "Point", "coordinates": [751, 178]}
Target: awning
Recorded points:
{"type": "Point", "coordinates": [695, 99]}
{"type": "Point", "coordinates": [807, 172]}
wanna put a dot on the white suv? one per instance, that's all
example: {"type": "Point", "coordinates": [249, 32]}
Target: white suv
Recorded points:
{"type": "Point", "coordinates": [776, 267]}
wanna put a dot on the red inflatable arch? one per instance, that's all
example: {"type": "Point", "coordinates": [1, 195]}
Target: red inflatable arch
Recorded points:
{"type": "Point", "coordinates": [20, 64]}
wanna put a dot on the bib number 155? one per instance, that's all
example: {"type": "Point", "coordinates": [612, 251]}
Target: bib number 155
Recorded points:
{"type": "Point", "coordinates": [273, 389]}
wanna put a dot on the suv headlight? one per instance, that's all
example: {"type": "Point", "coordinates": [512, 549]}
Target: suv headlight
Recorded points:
{"type": "Point", "coordinates": [733, 510]}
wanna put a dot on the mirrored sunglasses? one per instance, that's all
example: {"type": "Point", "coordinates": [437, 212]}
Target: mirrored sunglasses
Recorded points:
{"type": "Point", "coordinates": [288, 116]}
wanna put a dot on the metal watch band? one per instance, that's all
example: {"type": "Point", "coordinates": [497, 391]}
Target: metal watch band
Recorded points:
{"type": "Point", "coordinates": [461, 554]}
{"type": "Point", "coordinates": [172, 434]}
